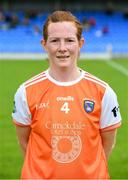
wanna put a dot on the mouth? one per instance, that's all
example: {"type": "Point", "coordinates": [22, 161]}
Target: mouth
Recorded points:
{"type": "Point", "coordinates": [63, 57]}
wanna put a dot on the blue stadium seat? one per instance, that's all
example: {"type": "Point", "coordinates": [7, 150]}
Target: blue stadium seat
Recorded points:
{"type": "Point", "coordinates": [23, 39]}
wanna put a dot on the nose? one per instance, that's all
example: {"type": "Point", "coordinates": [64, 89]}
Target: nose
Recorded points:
{"type": "Point", "coordinates": [62, 46]}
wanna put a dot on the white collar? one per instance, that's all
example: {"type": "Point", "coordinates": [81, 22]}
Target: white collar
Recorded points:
{"type": "Point", "coordinates": [67, 83]}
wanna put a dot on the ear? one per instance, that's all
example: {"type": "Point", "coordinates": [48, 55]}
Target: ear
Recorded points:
{"type": "Point", "coordinates": [43, 43]}
{"type": "Point", "coordinates": [81, 42]}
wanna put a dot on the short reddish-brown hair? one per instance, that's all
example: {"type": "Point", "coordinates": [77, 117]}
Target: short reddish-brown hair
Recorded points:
{"type": "Point", "coordinates": [60, 16]}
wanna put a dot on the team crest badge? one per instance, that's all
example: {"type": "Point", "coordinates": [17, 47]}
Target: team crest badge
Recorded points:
{"type": "Point", "coordinates": [88, 106]}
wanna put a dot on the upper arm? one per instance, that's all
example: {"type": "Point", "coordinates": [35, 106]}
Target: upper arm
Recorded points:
{"type": "Point", "coordinates": [108, 141]}
{"type": "Point", "coordinates": [21, 113]}
{"type": "Point", "coordinates": [109, 137]}
{"type": "Point", "coordinates": [22, 118]}
{"type": "Point", "coordinates": [110, 114]}
{"type": "Point", "coordinates": [23, 133]}
{"type": "Point", "coordinates": [110, 120]}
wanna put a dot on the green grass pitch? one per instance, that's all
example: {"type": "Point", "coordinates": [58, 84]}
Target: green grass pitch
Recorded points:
{"type": "Point", "coordinates": [13, 73]}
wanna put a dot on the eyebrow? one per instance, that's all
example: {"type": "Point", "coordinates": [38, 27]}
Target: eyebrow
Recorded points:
{"type": "Point", "coordinates": [71, 37]}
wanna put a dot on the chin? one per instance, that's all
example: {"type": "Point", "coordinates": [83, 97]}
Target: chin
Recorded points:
{"type": "Point", "coordinates": [64, 65]}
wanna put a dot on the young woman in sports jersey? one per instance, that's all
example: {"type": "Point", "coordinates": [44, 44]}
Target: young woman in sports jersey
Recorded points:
{"type": "Point", "coordinates": [66, 119]}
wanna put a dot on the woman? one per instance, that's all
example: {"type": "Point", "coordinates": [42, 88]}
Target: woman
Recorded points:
{"type": "Point", "coordinates": [66, 119]}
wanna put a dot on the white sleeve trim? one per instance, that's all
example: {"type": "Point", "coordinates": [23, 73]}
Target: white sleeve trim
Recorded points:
{"type": "Point", "coordinates": [21, 113]}
{"type": "Point", "coordinates": [110, 114]}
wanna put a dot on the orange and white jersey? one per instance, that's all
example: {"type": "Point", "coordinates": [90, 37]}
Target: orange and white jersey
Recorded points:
{"type": "Point", "coordinates": [66, 119]}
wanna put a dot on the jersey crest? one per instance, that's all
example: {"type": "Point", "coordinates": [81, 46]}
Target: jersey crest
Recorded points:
{"type": "Point", "coordinates": [88, 106]}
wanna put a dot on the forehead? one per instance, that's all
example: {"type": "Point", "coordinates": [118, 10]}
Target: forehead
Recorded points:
{"type": "Point", "coordinates": [59, 29]}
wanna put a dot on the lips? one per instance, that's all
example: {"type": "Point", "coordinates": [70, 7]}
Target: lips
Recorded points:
{"type": "Point", "coordinates": [62, 57]}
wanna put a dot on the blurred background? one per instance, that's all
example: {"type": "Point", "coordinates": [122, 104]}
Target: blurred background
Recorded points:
{"type": "Point", "coordinates": [105, 54]}
{"type": "Point", "coordinates": [105, 24]}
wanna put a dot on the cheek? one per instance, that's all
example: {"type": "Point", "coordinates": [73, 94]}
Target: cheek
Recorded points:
{"type": "Point", "coordinates": [51, 50]}
{"type": "Point", "coordinates": [75, 49]}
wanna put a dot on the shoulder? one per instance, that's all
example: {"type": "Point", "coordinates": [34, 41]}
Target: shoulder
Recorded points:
{"type": "Point", "coordinates": [95, 80]}
{"type": "Point", "coordinates": [35, 79]}
{"type": "Point", "coordinates": [21, 90]}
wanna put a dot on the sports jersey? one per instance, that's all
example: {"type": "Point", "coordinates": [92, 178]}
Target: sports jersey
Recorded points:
{"type": "Point", "coordinates": [66, 120]}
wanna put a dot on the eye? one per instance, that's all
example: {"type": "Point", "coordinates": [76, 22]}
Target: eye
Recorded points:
{"type": "Point", "coordinates": [70, 40]}
{"type": "Point", "coordinates": [54, 40]}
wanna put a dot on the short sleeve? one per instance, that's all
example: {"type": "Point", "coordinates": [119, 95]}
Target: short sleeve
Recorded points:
{"type": "Point", "coordinates": [21, 114]}
{"type": "Point", "coordinates": [110, 113]}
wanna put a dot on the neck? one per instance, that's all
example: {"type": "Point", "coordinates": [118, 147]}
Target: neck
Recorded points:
{"type": "Point", "coordinates": [64, 74]}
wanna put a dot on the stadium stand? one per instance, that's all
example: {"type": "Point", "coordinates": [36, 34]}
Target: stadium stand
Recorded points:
{"type": "Point", "coordinates": [104, 32]}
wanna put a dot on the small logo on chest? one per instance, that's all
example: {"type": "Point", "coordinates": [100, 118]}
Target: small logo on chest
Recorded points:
{"type": "Point", "coordinates": [89, 106]}
{"type": "Point", "coordinates": [42, 105]}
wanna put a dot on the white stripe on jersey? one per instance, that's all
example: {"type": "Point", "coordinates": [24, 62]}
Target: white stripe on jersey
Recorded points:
{"type": "Point", "coordinates": [36, 77]}
{"type": "Point", "coordinates": [96, 80]}
{"type": "Point", "coordinates": [36, 81]}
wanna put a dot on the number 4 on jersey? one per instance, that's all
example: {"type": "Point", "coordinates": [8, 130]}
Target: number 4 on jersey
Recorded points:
{"type": "Point", "coordinates": [65, 108]}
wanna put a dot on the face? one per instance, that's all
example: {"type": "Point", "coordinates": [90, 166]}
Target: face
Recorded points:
{"type": "Point", "coordinates": [62, 44]}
